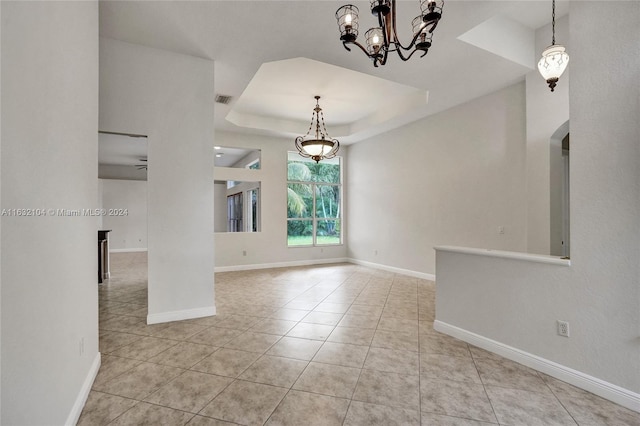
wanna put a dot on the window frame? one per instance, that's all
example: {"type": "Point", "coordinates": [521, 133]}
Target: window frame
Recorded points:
{"type": "Point", "coordinates": [314, 218]}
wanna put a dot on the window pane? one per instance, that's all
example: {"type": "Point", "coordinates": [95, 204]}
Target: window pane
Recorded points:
{"type": "Point", "coordinates": [327, 201]}
{"type": "Point", "coordinates": [328, 232]}
{"type": "Point", "coordinates": [300, 232]}
{"type": "Point", "coordinates": [299, 171]}
{"type": "Point", "coordinates": [299, 200]}
{"type": "Point", "coordinates": [326, 171]}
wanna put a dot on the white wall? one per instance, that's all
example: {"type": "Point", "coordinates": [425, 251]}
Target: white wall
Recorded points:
{"type": "Point", "coordinates": [516, 303]}
{"type": "Point", "coordinates": [220, 207]}
{"type": "Point", "coordinates": [49, 161]}
{"type": "Point", "coordinates": [129, 230]}
{"type": "Point", "coordinates": [546, 112]}
{"type": "Point", "coordinates": [451, 178]}
{"type": "Point", "coordinates": [170, 98]}
{"type": "Point", "coordinates": [269, 246]}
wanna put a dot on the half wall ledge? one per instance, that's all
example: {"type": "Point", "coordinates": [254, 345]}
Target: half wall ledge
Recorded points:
{"type": "Point", "coordinates": [528, 257]}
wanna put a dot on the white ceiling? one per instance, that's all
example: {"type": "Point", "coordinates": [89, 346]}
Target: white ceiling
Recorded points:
{"type": "Point", "coordinates": [241, 36]}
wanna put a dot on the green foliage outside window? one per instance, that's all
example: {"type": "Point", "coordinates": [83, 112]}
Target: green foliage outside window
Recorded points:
{"type": "Point", "coordinates": [313, 202]}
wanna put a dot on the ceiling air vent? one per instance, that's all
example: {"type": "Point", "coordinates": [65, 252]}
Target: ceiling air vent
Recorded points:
{"type": "Point", "coordinates": [223, 99]}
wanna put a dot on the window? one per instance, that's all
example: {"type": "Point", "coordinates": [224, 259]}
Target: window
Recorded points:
{"type": "Point", "coordinates": [314, 194]}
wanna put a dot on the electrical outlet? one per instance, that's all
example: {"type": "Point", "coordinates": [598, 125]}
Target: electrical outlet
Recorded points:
{"type": "Point", "coordinates": [375, 252]}
{"type": "Point", "coordinates": [244, 252]}
{"type": "Point", "coordinates": [563, 328]}
{"type": "Point", "coordinates": [500, 229]}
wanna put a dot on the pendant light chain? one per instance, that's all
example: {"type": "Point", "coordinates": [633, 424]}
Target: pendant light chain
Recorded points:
{"type": "Point", "coordinates": [553, 22]}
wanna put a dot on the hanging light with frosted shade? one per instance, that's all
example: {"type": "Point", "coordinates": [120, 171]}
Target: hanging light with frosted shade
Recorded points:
{"type": "Point", "coordinates": [554, 58]}
{"type": "Point", "coordinates": [319, 145]}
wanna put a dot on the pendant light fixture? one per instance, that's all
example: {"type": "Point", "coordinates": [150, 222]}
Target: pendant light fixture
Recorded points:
{"type": "Point", "coordinates": [554, 58]}
{"type": "Point", "coordinates": [318, 146]}
{"type": "Point", "coordinates": [384, 38]}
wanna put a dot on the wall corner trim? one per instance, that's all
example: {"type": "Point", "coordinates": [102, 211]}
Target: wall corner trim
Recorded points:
{"type": "Point", "coordinates": [614, 393]}
{"type": "Point", "coordinates": [76, 410]}
{"type": "Point", "coordinates": [181, 315]}
{"type": "Point", "coordinates": [416, 274]}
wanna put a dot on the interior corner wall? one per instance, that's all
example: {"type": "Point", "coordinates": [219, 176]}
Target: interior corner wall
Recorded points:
{"type": "Point", "coordinates": [268, 247]}
{"type": "Point", "coordinates": [598, 294]}
{"type": "Point", "coordinates": [125, 204]}
{"type": "Point", "coordinates": [546, 112]}
{"type": "Point", "coordinates": [49, 161]}
{"type": "Point", "coordinates": [170, 98]}
{"type": "Point", "coordinates": [449, 179]}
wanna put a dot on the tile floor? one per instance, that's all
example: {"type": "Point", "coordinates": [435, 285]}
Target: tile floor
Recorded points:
{"type": "Point", "coordinates": [326, 345]}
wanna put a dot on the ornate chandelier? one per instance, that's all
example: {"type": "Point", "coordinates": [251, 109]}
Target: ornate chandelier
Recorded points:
{"type": "Point", "coordinates": [384, 38]}
{"type": "Point", "coordinates": [321, 145]}
{"type": "Point", "coordinates": [554, 58]}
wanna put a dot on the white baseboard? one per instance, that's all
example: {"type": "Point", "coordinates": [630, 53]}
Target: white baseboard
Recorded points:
{"type": "Point", "coordinates": [76, 410]}
{"type": "Point", "coordinates": [181, 315]}
{"type": "Point", "coordinates": [614, 393]}
{"type": "Point", "coordinates": [280, 264]}
{"type": "Point", "coordinates": [127, 250]}
{"type": "Point", "coordinates": [393, 269]}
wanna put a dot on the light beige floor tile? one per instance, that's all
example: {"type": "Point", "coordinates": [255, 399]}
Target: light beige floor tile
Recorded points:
{"type": "Point", "coordinates": [140, 381]}
{"type": "Point", "coordinates": [443, 344]}
{"type": "Point", "coordinates": [449, 368]}
{"type": "Point", "coordinates": [289, 314]}
{"type": "Point", "coordinates": [458, 399]}
{"type": "Point", "coordinates": [253, 342]}
{"type": "Point", "coordinates": [113, 366]}
{"type": "Point", "coordinates": [326, 318]}
{"type": "Point", "coordinates": [179, 331]}
{"type": "Point", "coordinates": [359, 321]}
{"type": "Point", "coordinates": [144, 348]}
{"type": "Point", "coordinates": [276, 371]}
{"type": "Point", "coordinates": [403, 340]}
{"type": "Point", "coordinates": [238, 322]}
{"type": "Point", "coordinates": [113, 340]}
{"type": "Point", "coordinates": [509, 374]}
{"type": "Point", "coordinates": [355, 336]}
{"type": "Point", "coordinates": [273, 326]}
{"type": "Point", "coordinates": [303, 408]}
{"type": "Point", "coordinates": [305, 305]}
{"type": "Point", "coordinates": [101, 408]}
{"type": "Point", "coordinates": [519, 407]}
{"type": "Point", "coordinates": [291, 347]}
{"type": "Point", "coordinates": [396, 390]}
{"type": "Point", "coordinates": [336, 308]}
{"type": "Point", "coordinates": [311, 331]}
{"type": "Point", "coordinates": [589, 409]}
{"type": "Point", "coordinates": [332, 380]}
{"type": "Point", "coordinates": [371, 310]}
{"type": "Point", "coordinates": [431, 419]}
{"type": "Point", "coordinates": [393, 361]}
{"type": "Point", "coordinates": [342, 354]}
{"type": "Point", "coordinates": [208, 421]}
{"type": "Point", "coordinates": [226, 362]}
{"type": "Point", "coordinates": [245, 403]}
{"type": "Point", "coordinates": [365, 414]}
{"type": "Point", "coordinates": [397, 324]}
{"type": "Point", "coordinates": [214, 336]}
{"type": "Point", "coordinates": [190, 391]}
{"type": "Point", "coordinates": [478, 353]}
{"type": "Point", "coordinates": [144, 414]}
{"type": "Point", "coordinates": [183, 355]}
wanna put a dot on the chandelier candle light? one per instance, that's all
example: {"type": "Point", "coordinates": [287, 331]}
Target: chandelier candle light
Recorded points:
{"type": "Point", "coordinates": [321, 145]}
{"type": "Point", "coordinates": [554, 58]}
{"type": "Point", "coordinates": [384, 38]}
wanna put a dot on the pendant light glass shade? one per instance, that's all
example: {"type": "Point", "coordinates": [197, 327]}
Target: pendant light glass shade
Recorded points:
{"type": "Point", "coordinates": [554, 58]}
{"type": "Point", "coordinates": [553, 63]}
